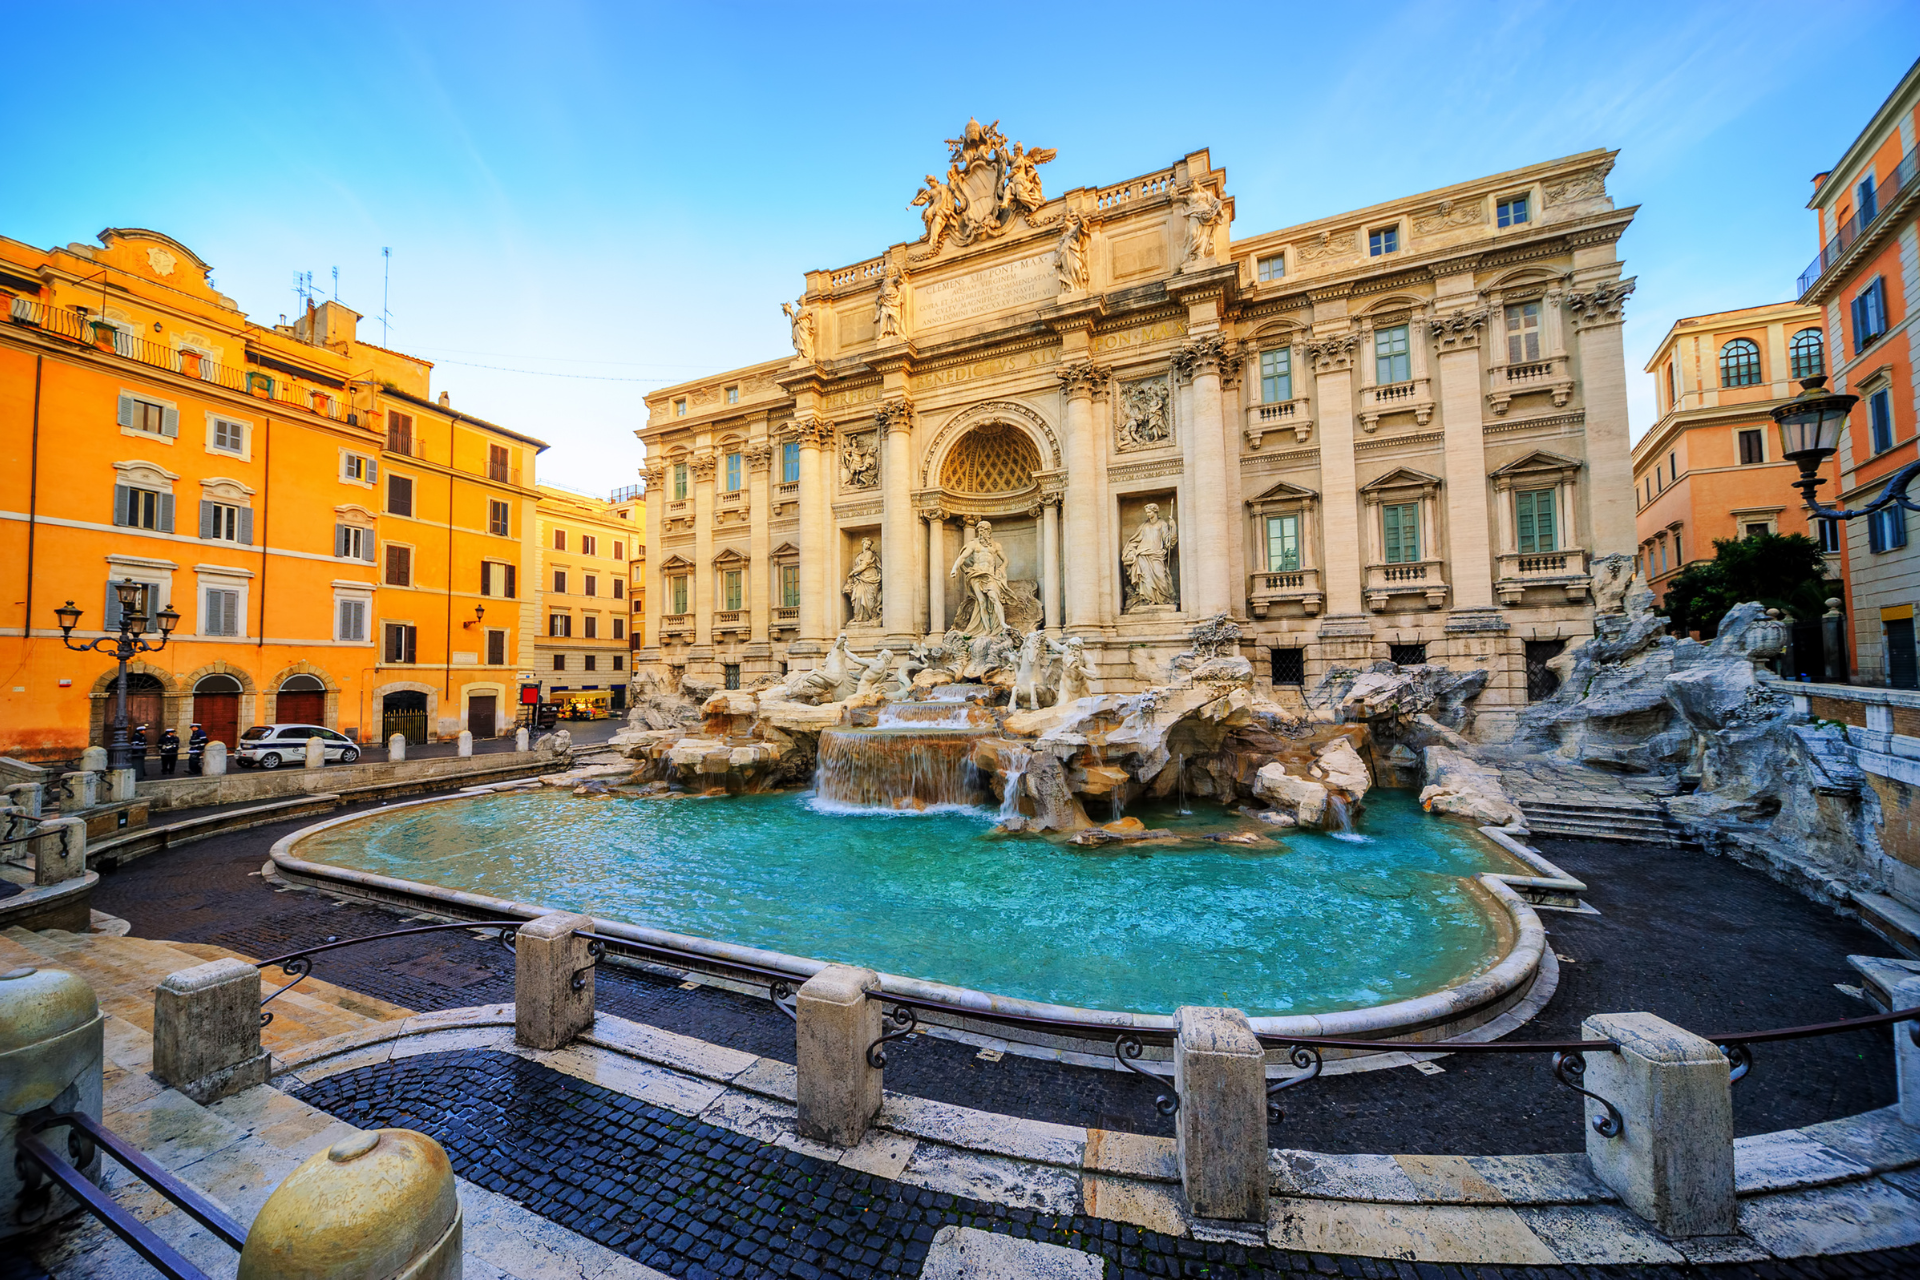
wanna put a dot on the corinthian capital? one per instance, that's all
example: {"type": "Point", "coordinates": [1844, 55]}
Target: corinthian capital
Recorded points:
{"type": "Point", "coordinates": [894, 415]}
{"type": "Point", "coordinates": [1458, 330]}
{"type": "Point", "coordinates": [1204, 355]}
{"type": "Point", "coordinates": [703, 465]}
{"type": "Point", "coordinates": [811, 432]}
{"type": "Point", "coordinates": [1330, 354]}
{"type": "Point", "coordinates": [1083, 378]}
{"type": "Point", "coordinates": [1603, 304]}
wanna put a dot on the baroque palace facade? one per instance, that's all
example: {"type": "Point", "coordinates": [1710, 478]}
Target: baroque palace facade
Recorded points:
{"type": "Point", "coordinates": [1399, 432]}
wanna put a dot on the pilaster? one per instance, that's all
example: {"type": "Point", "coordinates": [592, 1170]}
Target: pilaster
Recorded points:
{"type": "Point", "coordinates": [1597, 317]}
{"type": "Point", "coordinates": [814, 436]}
{"type": "Point", "coordinates": [1201, 362]}
{"type": "Point", "coordinates": [760, 575]}
{"type": "Point", "coordinates": [899, 564]}
{"type": "Point", "coordinates": [1332, 359]}
{"type": "Point", "coordinates": [1469, 550]}
{"type": "Point", "coordinates": [702, 466]}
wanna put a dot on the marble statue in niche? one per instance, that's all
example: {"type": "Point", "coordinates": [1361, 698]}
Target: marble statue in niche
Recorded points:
{"type": "Point", "coordinates": [939, 211]}
{"type": "Point", "coordinates": [1070, 255]}
{"type": "Point", "coordinates": [887, 322]}
{"type": "Point", "coordinates": [982, 570]}
{"type": "Point", "coordinates": [800, 316]}
{"type": "Point", "coordinates": [1149, 578]}
{"type": "Point", "coordinates": [1146, 414]}
{"type": "Point", "coordinates": [859, 460]}
{"type": "Point", "coordinates": [1203, 210]}
{"type": "Point", "coordinates": [862, 587]}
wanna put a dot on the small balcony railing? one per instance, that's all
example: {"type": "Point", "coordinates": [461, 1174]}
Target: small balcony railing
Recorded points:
{"type": "Point", "coordinates": [1265, 591]}
{"type": "Point", "coordinates": [1504, 382]}
{"type": "Point", "coordinates": [1396, 397]}
{"type": "Point", "coordinates": [1885, 195]}
{"type": "Point", "coordinates": [1418, 577]}
{"type": "Point", "coordinates": [1516, 572]}
{"type": "Point", "coordinates": [625, 493]}
{"type": "Point", "coordinates": [1284, 415]}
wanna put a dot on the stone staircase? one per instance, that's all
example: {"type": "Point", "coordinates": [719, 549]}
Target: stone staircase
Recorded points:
{"type": "Point", "coordinates": [1629, 822]}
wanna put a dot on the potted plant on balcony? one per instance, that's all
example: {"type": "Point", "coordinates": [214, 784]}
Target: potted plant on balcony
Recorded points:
{"type": "Point", "coordinates": [190, 363]}
{"type": "Point", "coordinates": [104, 334]}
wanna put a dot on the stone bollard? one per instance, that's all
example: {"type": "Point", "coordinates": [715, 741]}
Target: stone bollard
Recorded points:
{"type": "Point", "coordinates": [81, 789]}
{"type": "Point", "coordinates": [548, 1009]}
{"type": "Point", "coordinates": [396, 748]}
{"type": "Point", "coordinates": [1906, 1054]}
{"type": "Point", "coordinates": [1672, 1162]}
{"type": "Point", "coordinates": [463, 745]}
{"type": "Point", "coordinates": [93, 760]}
{"type": "Point", "coordinates": [1220, 1072]}
{"type": "Point", "coordinates": [838, 1090]}
{"type": "Point", "coordinates": [206, 1030]}
{"type": "Point", "coordinates": [316, 753]}
{"type": "Point", "coordinates": [52, 1037]}
{"type": "Point", "coordinates": [379, 1203]}
{"type": "Point", "coordinates": [521, 741]}
{"type": "Point", "coordinates": [213, 761]}
{"type": "Point", "coordinates": [60, 852]}
{"type": "Point", "coordinates": [120, 784]}
{"type": "Point", "coordinates": [25, 796]}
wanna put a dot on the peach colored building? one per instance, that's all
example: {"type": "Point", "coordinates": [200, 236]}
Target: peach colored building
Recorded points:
{"type": "Point", "coordinates": [1711, 467]}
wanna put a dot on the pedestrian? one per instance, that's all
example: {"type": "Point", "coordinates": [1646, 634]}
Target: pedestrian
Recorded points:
{"type": "Point", "coordinates": [196, 747]}
{"type": "Point", "coordinates": [169, 750]}
{"type": "Point", "coordinates": [139, 744]}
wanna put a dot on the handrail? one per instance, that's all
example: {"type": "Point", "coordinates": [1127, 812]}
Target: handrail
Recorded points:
{"type": "Point", "coordinates": [300, 963]}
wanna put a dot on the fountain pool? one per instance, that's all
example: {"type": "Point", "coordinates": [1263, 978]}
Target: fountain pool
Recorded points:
{"type": "Point", "coordinates": [1297, 923]}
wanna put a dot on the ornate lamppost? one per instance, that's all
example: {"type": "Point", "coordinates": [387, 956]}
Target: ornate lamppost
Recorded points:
{"type": "Point", "coordinates": [128, 644]}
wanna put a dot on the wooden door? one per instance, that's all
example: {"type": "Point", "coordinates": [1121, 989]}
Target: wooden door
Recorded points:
{"type": "Point", "coordinates": [219, 715]}
{"type": "Point", "coordinates": [302, 706]}
{"type": "Point", "coordinates": [481, 715]}
{"type": "Point", "coordinates": [143, 708]}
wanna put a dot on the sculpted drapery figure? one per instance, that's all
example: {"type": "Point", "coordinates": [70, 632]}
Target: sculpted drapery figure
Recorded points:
{"type": "Point", "coordinates": [886, 309]}
{"type": "Point", "coordinates": [1023, 178]}
{"type": "Point", "coordinates": [936, 201]}
{"type": "Point", "coordinates": [859, 461]}
{"type": "Point", "coordinates": [862, 586]}
{"type": "Point", "coordinates": [1144, 418]}
{"type": "Point", "coordinates": [1203, 210]}
{"type": "Point", "coordinates": [1076, 678]}
{"type": "Point", "coordinates": [1070, 255]}
{"type": "Point", "coordinates": [801, 318]}
{"type": "Point", "coordinates": [1149, 582]}
{"type": "Point", "coordinates": [982, 569]}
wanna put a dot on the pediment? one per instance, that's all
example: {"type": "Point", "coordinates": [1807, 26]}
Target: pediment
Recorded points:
{"type": "Point", "coordinates": [1538, 461]}
{"type": "Point", "coordinates": [1284, 492]}
{"type": "Point", "coordinates": [1401, 478]}
{"type": "Point", "coordinates": [676, 562]}
{"type": "Point", "coordinates": [730, 556]}
{"type": "Point", "coordinates": [784, 549]}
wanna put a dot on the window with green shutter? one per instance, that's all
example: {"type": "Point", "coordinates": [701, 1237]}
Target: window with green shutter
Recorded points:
{"type": "Point", "coordinates": [732, 589]}
{"type": "Point", "coordinates": [679, 482]}
{"type": "Point", "coordinates": [1400, 532]}
{"type": "Point", "coordinates": [677, 586]}
{"type": "Point", "coordinates": [1283, 544]}
{"type": "Point", "coordinates": [1533, 521]}
{"type": "Point", "coordinates": [1393, 356]}
{"type": "Point", "coordinates": [789, 586]}
{"type": "Point", "coordinates": [1276, 376]}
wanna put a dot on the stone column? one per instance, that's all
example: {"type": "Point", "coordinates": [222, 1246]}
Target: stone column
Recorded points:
{"type": "Point", "coordinates": [316, 753]}
{"type": "Point", "coordinates": [1220, 1129]}
{"type": "Point", "coordinates": [1672, 1161]}
{"type": "Point", "coordinates": [936, 573]}
{"type": "Point", "coordinates": [1340, 515]}
{"type": "Point", "coordinates": [704, 586]}
{"type": "Point", "coordinates": [548, 1009]}
{"type": "Point", "coordinates": [1050, 562]}
{"type": "Point", "coordinates": [897, 613]}
{"type": "Point", "coordinates": [1469, 549]}
{"type": "Point", "coordinates": [653, 581]}
{"type": "Point", "coordinates": [1207, 521]}
{"type": "Point", "coordinates": [837, 1089]}
{"type": "Point", "coordinates": [1906, 1054]}
{"type": "Point", "coordinates": [1083, 497]}
{"type": "Point", "coordinates": [1603, 376]}
{"type": "Point", "coordinates": [206, 1030]}
{"type": "Point", "coordinates": [762, 581]}
{"type": "Point", "coordinates": [60, 852]}
{"type": "Point", "coordinates": [814, 499]}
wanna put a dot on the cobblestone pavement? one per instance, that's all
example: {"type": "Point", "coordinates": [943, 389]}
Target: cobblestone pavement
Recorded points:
{"type": "Point", "coordinates": [696, 1201]}
{"type": "Point", "coordinates": [1699, 940]}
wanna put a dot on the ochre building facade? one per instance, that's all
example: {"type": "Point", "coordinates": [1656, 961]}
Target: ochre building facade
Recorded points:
{"type": "Point", "coordinates": [1398, 432]}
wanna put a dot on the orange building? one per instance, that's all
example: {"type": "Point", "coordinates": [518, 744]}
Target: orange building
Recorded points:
{"type": "Point", "coordinates": [586, 545]}
{"type": "Point", "coordinates": [1865, 280]}
{"type": "Point", "coordinates": [248, 476]}
{"type": "Point", "coordinates": [1711, 467]}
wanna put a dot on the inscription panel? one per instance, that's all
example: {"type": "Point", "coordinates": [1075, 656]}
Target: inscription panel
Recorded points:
{"type": "Point", "coordinates": [992, 366]}
{"type": "Point", "coordinates": [1011, 284]}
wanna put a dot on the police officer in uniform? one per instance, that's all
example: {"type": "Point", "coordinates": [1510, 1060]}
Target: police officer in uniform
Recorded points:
{"type": "Point", "coordinates": [138, 741]}
{"type": "Point", "coordinates": [169, 750]}
{"type": "Point", "coordinates": [196, 747]}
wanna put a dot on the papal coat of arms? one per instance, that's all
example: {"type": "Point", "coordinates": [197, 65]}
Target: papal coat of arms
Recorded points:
{"type": "Point", "coordinates": [990, 182]}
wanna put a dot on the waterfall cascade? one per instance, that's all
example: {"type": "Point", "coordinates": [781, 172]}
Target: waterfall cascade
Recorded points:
{"type": "Point", "coordinates": [896, 768]}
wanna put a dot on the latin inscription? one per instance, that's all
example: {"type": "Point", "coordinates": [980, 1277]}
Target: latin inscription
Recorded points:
{"type": "Point", "coordinates": [991, 367]}
{"type": "Point", "coordinates": [1140, 337]}
{"type": "Point", "coordinates": [1011, 284]}
{"type": "Point", "coordinates": [858, 395]}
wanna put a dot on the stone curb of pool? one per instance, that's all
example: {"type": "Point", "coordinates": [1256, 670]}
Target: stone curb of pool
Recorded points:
{"type": "Point", "coordinates": [1438, 1015]}
{"type": "Point", "coordinates": [1832, 1187]}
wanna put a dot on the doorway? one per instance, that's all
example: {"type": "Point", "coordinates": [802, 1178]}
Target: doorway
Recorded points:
{"type": "Point", "coordinates": [216, 706]}
{"type": "Point", "coordinates": [303, 700]}
{"type": "Point", "coordinates": [145, 706]}
{"type": "Point", "coordinates": [1903, 672]}
{"type": "Point", "coordinates": [482, 715]}
{"type": "Point", "coordinates": [404, 713]}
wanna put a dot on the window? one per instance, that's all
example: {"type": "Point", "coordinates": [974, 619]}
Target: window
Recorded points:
{"type": "Point", "coordinates": [1510, 212]}
{"type": "Point", "coordinates": [619, 662]}
{"type": "Point", "coordinates": [1673, 465]}
{"type": "Point", "coordinates": [620, 548]}
{"type": "Point", "coordinates": [1678, 559]}
{"type": "Point", "coordinates": [350, 542]}
{"type": "Point", "coordinates": [225, 522]}
{"type": "Point", "coordinates": [1880, 419]}
{"type": "Point", "coordinates": [733, 395]}
{"type": "Point", "coordinates": [789, 586]}
{"type": "Point", "coordinates": [1271, 268]}
{"type": "Point", "coordinates": [559, 582]}
{"type": "Point", "coordinates": [499, 463]}
{"type": "Point", "coordinates": [790, 462]}
{"type": "Point", "coordinates": [1753, 447]}
{"type": "Point", "coordinates": [589, 545]}
{"type": "Point", "coordinates": [1809, 354]}
{"type": "Point", "coordinates": [138, 508]}
{"type": "Point", "coordinates": [679, 482]}
{"type": "Point", "coordinates": [560, 624]}
{"type": "Point", "coordinates": [399, 433]}
{"type": "Point", "coordinates": [1385, 240]}
{"type": "Point", "coordinates": [220, 612]}
{"type": "Point", "coordinates": [590, 626]}
{"type": "Point", "coordinates": [1829, 535]}
{"type": "Point", "coordinates": [498, 520]}
{"type": "Point", "coordinates": [559, 662]}
{"type": "Point", "coordinates": [398, 645]}
{"type": "Point", "coordinates": [155, 417]}
{"type": "Point", "coordinates": [1755, 530]}
{"type": "Point", "coordinates": [229, 436]}
{"type": "Point", "coordinates": [350, 621]}
{"type": "Point", "coordinates": [1400, 532]}
{"type": "Point", "coordinates": [1533, 523]}
{"type": "Point", "coordinates": [734, 481]}
{"type": "Point", "coordinates": [1869, 314]}
{"type": "Point", "coordinates": [399, 565]}
{"type": "Point", "coordinates": [1740, 363]}
{"type": "Point", "coordinates": [359, 467]}
{"type": "Point", "coordinates": [1276, 376]}
{"type": "Point", "coordinates": [146, 603]}
{"type": "Point", "coordinates": [1887, 529]}
{"type": "Point", "coordinates": [1523, 333]}
{"type": "Point", "coordinates": [590, 662]}
{"type": "Point", "coordinates": [619, 628]}
{"type": "Point", "coordinates": [732, 588]}
{"type": "Point", "coordinates": [497, 579]}
{"type": "Point", "coordinates": [496, 648]}
{"type": "Point", "coordinates": [559, 539]}
{"type": "Point", "coordinates": [1673, 394]}
{"type": "Point", "coordinates": [677, 593]}
{"type": "Point", "coordinates": [1391, 355]}
{"type": "Point", "coordinates": [619, 589]}
{"type": "Point", "coordinates": [1290, 666]}
{"type": "Point", "coordinates": [680, 407]}
{"type": "Point", "coordinates": [1406, 655]}
{"type": "Point", "coordinates": [399, 495]}
{"type": "Point", "coordinates": [1868, 198]}
{"type": "Point", "coordinates": [1283, 544]}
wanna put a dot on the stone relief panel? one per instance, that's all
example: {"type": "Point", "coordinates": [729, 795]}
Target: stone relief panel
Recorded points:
{"type": "Point", "coordinates": [1450, 215]}
{"type": "Point", "coordinates": [1143, 414]}
{"type": "Point", "coordinates": [859, 460]}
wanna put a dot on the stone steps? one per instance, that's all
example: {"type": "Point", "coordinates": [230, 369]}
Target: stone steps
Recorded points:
{"type": "Point", "coordinates": [1625, 821]}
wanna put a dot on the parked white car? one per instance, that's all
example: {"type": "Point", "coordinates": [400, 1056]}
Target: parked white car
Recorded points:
{"type": "Point", "coordinates": [272, 745]}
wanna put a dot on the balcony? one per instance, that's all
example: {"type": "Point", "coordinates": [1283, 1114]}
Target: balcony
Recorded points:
{"type": "Point", "coordinates": [1266, 591]}
{"type": "Point", "coordinates": [1413, 397]}
{"type": "Point", "coordinates": [1563, 571]}
{"type": "Point", "coordinates": [676, 626]}
{"type": "Point", "coordinates": [1286, 415]}
{"type": "Point", "coordinates": [1885, 196]}
{"type": "Point", "coordinates": [785, 618]}
{"type": "Point", "coordinates": [626, 493]}
{"type": "Point", "coordinates": [1418, 578]}
{"type": "Point", "coordinates": [731, 622]}
{"type": "Point", "coordinates": [1551, 375]}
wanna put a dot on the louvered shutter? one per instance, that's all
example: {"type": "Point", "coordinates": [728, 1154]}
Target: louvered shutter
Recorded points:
{"type": "Point", "coordinates": [511, 594]}
{"type": "Point", "coordinates": [165, 523]}
{"type": "Point", "coordinates": [122, 504]}
{"type": "Point", "coordinates": [169, 422]}
{"type": "Point", "coordinates": [113, 608]}
{"type": "Point", "coordinates": [246, 525]}
{"type": "Point", "coordinates": [340, 540]}
{"type": "Point", "coordinates": [126, 405]}
{"type": "Point", "coordinates": [367, 548]}
{"type": "Point", "coordinates": [486, 578]}
{"type": "Point", "coordinates": [373, 471]}
{"type": "Point", "coordinates": [410, 640]}
{"type": "Point", "coordinates": [1523, 519]}
{"type": "Point", "coordinates": [209, 528]}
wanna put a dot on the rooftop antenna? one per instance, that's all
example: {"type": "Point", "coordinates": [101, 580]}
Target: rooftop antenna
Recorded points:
{"type": "Point", "coordinates": [336, 284]}
{"type": "Point", "coordinates": [386, 272]}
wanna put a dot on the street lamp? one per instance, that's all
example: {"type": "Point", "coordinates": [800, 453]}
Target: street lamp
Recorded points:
{"type": "Point", "coordinates": [479, 612]}
{"type": "Point", "coordinates": [133, 622]}
{"type": "Point", "coordinates": [1810, 427]}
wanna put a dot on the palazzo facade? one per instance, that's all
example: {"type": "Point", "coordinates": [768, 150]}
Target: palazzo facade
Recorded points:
{"type": "Point", "coordinates": [1399, 432]}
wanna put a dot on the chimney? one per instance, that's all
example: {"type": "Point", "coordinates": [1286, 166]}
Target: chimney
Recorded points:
{"type": "Point", "coordinates": [445, 403]}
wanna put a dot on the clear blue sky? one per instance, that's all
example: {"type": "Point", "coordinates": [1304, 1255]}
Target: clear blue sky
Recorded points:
{"type": "Point", "coordinates": [624, 193]}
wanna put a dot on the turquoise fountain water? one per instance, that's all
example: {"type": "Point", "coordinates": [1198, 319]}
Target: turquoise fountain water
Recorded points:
{"type": "Point", "coordinates": [1300, 923]}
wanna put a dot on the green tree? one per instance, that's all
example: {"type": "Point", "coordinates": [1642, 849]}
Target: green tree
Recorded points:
{"type": "Point", "coordinates": [1781, 572]}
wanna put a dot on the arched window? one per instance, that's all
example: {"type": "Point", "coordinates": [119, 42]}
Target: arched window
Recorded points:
{"type": "Point", "coordinates": [1809, 353]}
{"type": "Point", "coordinates": [1739, 363]}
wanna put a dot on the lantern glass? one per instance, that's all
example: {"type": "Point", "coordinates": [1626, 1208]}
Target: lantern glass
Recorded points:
{"type": "Point", "coordinates": [1811, 423]}
{"type": "Point", "coordinates": [169, 619]}
{"type": "Point", "coordinates": [69, 616]}
{"type": "Point", "coordinates": [129, 593]}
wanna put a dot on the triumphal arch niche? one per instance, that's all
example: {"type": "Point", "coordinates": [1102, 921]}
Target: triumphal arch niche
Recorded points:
{"type": "Point", "coordinates": [1329, 431]}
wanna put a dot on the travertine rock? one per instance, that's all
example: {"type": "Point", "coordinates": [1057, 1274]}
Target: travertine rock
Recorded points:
{"type": "Point", "coordinates": [1340, 768]}
{"type": "Point", "coordinates": [1465, 788]}
{"type": "Point", "coordinates": [1301, 798]}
